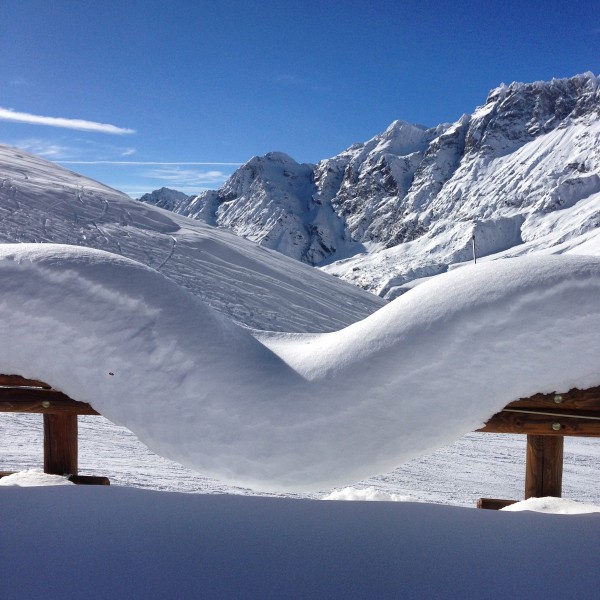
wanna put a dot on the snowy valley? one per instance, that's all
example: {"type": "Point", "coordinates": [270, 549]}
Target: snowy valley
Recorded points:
{"type": "Point", "coordinates": [447, 179]}
{"type": "Point", "coordinates": [264, 290]}
{"type": "Point", "coordinates": [269, 377]}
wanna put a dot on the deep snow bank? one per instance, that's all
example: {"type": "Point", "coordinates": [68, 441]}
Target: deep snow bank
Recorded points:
{"type": "Point", "coordinates": [306, 412]}
{"type": "Point", "coordinates": [109, 542]}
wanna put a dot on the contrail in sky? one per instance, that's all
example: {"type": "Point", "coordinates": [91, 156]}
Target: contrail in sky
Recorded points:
{"type": "Point", "coordinates": [134, 162]}
{"type": "Point", "coordinates": [7, 114]}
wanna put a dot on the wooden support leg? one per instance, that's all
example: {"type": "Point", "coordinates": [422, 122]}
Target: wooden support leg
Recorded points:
{"type": "Point", "coordinates": [544, 466]}
{"type": "Point", "coordinates": [60, 444]}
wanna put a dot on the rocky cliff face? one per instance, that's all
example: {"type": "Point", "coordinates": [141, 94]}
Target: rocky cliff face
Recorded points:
{"type": "Point", "coordinates": [529, 150]}
{"type": "Point", "coordinates": [376, 176]}
{"type": "Point", "coordinates": [272, 200]}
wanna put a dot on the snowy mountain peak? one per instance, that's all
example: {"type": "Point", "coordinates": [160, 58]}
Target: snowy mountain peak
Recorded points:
{"type": "Point", "coordinates": [270, 200]}
{"type": "Point", "coordinates": [399, 138]}
{"type": "Point", "coordinates": [497, 93]}
{"type": "Point", "coordinates": [166, 198]}
{"type": "Point", "coordinates": [402, 131]}
{"type": "Point", "coordinates": [274, 157]}
{"type": "Point", "coordinates": [264, 167]}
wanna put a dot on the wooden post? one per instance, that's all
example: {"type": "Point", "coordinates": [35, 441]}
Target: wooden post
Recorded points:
{"type": "Point", "coordinates": [60, 444]}
{"type": "Point", "coordinates": [544, 466]}
{"type": "Point", "coordinates": [20, 395]}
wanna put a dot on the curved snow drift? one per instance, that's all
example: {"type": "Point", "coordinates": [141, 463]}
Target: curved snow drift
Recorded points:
{"type": "Point", "coordinates": [297, 411]}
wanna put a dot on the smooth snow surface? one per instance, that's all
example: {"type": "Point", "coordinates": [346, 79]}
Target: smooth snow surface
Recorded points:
{"type": "Point", "coordinates": [97, 542]}
{"type": "Point", "coordinates": [316, 410]}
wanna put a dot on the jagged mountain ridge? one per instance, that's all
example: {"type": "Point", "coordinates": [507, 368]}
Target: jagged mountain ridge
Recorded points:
{"type": "Point", "coordinates": [529, 150]}
{"type": "Point", "coordinates": [272, 200]}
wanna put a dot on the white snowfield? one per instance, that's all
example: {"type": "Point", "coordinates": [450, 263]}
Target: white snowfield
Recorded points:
{"type": "Point", "coordinates": [297, 412]}
{"type": "Point", "coordinates": [44, 203]}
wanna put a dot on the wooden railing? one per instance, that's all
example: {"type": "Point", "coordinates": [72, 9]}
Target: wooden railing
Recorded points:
{"type": "Point", "coordinates": [544, 418]}
{"type": "Point", "coordinates": [60, 413]}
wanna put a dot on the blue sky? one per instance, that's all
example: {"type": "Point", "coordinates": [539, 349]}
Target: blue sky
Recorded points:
{"type": "Point", "coordinates": [192, 88]}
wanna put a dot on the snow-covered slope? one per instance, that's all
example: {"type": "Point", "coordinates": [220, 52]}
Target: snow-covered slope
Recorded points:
{"type": "Point", "coordinates": [42, 202]}
{"type": "Point", "coordinates": [522, 170]}
{"type": "Point", "coordinates": [530, 149]}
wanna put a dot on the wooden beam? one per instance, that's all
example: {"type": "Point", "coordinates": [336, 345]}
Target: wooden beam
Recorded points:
{"type": "Point", "coordinates": [60, 444]}
{"type": "Point", "coordinates": [544, 466]}
{"type": "Point", "coordinates": [18, 394]}
{"type": "Point", "coordinates": [89, 480]}
{"type": "Point", "coordinates": [494, 503]}
{"type": "Point", "coordinates": [574, 399]}
{"type": "Point", "coordinates": [18, 381]}
{"type": "Point", "coordinates": [38, 400]}
{"type": "Point", "coordinates": [558, 423]}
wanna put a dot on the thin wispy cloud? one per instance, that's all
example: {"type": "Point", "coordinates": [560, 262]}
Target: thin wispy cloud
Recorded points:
{"type": "Point", "coordinates": [7, 114]}
{"type": "Point", "coordinates": [41, 147]}
{"type": "Point", "coordinates": [149, 163]}
{"type": "Point", "coordinates": [63, 148]}
{"type": "Point", "coordinates": [186, 177]}
{"type": "Point", "coordinates": [188, 181]}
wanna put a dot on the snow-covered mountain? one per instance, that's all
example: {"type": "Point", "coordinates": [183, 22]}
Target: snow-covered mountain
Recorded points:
{"type": "Point", "coordinates": [42, 202]}
{"type": "Point", "coordinates": [523, 170]}
{"type": "Point", "coordinates": [166, 198]}
{"type": "Point", "coordinates": [272, 200]}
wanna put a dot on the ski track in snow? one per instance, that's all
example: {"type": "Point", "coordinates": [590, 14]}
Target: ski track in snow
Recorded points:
{"type": "Point", "coordinates": [171, 251]}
